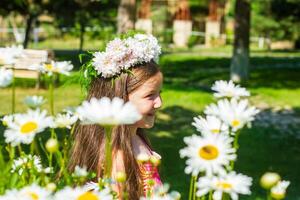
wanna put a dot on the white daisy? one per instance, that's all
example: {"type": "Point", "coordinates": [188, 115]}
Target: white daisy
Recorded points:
{"type": "Point", "coordinates": [80, 171]}
{"type": "Point", "coordinates": [35, 192]}
{"type": "Point", "coordinates": [161, 193]}
{"type": "Point", "coordinates": [91, 186]}
{"type": "Point", "coordinates": [8, 119]}
{"type": "Point", "coordinates": [234, 113]}
{"type": "Point", "coordinates": [82, 193]}
{"type": "Point", "coordinates": [229, 89]}
{"type": "Point", "coordinates": [6, 77]}
{"type": "Point", "coordinates": [232, 184]}
{"type": "Point", "coordinates": [210, 125]}
{"type": "Point", "coordinates": [8, 55]}
{"type": "Point", "coordinates": [34, 101]}
{"type": "Point", "coordinates": [13, 194]}
{"type": "Point", "coordinates": [27, 162]}
{"type": "Point", "coordinates": [6, 58]}
{"type": "Point", "coordinates": [65, 120]}
{"type": "Point", "coordinates": [61, 67]}
{"type": "Point", "coordinates": [209, 154]}
{"type": "Point", "coordinates": [108, 112]}
{"type": "Point", "coordinates": [24, 127]}
{"type": "Point", "coordinates": [279, 190]}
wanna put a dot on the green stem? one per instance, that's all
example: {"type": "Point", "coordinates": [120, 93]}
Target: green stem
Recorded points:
{"type": "Point", "coordinates": [108, 151]}
{"type": "Point", "coordinates": [53, 134]}
{"type": "Point", "coordinates": [51, 95]}
{"type": "Point", "coordinates": [72, 129]}
{"type": "Point", "coordinates": [11, 152]}
{"type": "Point", "coordinates": [235, 146]}
{"type": "Point", "coordinates": [43, 148]}
{"type": "Point", "coordinates": [50, 159]}
{"type": "Point", "coordinates": [13, 95]}
{"type": "Point", "coordinates": [191, 188]}
{"type": "Point", "coordinates": [210, 195]}
{"type": "Point", "coordinates": [269, 195]}
{"type": "Point", "coordinates": [195, 187]}
{"type": "Point", "coordinates": [20, 149]}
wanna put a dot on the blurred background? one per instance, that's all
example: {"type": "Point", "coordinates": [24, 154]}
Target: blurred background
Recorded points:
{"type": "Point", "coordinates": [253, 42]}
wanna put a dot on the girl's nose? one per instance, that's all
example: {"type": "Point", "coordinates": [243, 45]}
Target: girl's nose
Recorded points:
{"type": "Point", "coordinates": [158, 102]}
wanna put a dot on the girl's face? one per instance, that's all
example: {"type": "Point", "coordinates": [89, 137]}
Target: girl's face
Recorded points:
{"type": "Point", "coordinates": [147, 100]}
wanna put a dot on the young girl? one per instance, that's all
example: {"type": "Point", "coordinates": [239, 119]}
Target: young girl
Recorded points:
{"type": "Point", "coordinates": [141, 87]}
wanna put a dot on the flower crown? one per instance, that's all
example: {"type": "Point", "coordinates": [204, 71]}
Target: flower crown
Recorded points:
{"type": "Point", "coordinates": [120, 55]}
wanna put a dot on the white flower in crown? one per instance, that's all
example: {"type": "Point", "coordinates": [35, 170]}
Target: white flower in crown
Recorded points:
{"type": "Point", "coordinates": [105, 65]}
{"type": "Point", "coordinates": [234, 113]}
{"type": "Point", "coordinates": [209, 154]}
{"type": "Point", "coordinates": [24, 127]}
{"type": "Point", "coordinates": [232, 184]}
{"type": "Point", "coordinates": [151, 48]}
{"type": "Point", "coordinates": [120, 54]}
{"type": "Point", "coordinates": [6, 77]}
{"type": "Point", "coordinates": [108, 112]}
{"type": "Point", "coordinates": [210, 125]}
{"type": "Point", "coordinates": [229, 89]}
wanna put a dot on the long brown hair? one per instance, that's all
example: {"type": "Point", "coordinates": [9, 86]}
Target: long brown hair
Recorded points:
{"type": "Point", "coordinates": [88, 148]}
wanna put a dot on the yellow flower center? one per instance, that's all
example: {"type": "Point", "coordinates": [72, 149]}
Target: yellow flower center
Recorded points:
{"type": "Point", "coordinates": [235, 123]}
{"type": "Point", "coordinates": [229, 94]}
{"type": "Point", "coordinates": [33, 195]}
{"type": "Point", "coordinates": [88, 196]}
{"type": "Point", "coordinates": [224, 185]}
{"type": "Point", "coordinates": [49, 67]}
{"type": "Point", "coordinates": [216, 131]}
{"type": "Point", "coordinates": [28, 127]}
{"type": "Point", "coordinates": [208, 152]}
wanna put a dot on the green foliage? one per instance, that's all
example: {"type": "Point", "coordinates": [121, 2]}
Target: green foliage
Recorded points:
{"type": "Point", "coordinates": [276, 19]}
{"type": "Point", "coordinates": [87, 71]}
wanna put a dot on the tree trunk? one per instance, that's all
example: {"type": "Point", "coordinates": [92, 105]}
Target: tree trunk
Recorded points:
{"type": "Point", "coordinates": [29, 23]}
{"type": "Point", "coordinates": [239, 69]}
{"type": "Point", "coordinates": [126, 15]}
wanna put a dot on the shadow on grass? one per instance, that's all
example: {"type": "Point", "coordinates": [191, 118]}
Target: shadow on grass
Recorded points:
{"type": "Point", "coordinates": [202, 72]}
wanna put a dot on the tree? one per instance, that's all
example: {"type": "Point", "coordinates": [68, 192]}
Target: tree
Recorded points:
{"type": "Point", "coordinates": [29, 9]}
{"type": "Point", "coordinates": [239, 68]}
{"type": "Point", "coordinates": [126, 15]}
{"type": "Point", "coordinates": [82, 13]}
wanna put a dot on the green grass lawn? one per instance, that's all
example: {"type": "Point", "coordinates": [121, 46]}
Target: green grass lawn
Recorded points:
{"type": "Point", "coordinates": [274, 82]}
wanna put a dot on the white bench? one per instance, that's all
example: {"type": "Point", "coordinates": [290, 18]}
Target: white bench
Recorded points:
{"type": "Point", "coordinates": [31, 57]}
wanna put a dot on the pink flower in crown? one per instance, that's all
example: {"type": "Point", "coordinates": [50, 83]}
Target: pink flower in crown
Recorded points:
{"type": "Point", "coordinates": [145, 47]}
{"type": "Point", "coordinates": [117, 49]}
{"type": "Point", "coordinates": [122, 54]}
{"type": "Point", "coordinates": [105, 64]}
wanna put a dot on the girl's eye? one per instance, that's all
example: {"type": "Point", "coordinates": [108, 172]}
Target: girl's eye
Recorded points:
{"type": "Point", "coordinates": [149, 95]}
